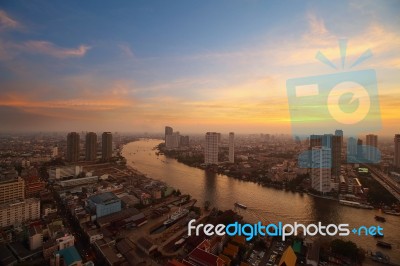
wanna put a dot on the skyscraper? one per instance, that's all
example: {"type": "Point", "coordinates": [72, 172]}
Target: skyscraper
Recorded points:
{"type": "Point", "coordinates": [72, 147]}
{"type": "Point", "coordinates": [211, 148]}
{"type": "Point", "coordinates": [91, 146]}
{"type": "Point", "coordinates": [397, 150]}
{"type": "Point", "coordinates": [106, 146]}
{"type": "Point", "coordinates": [339, 132]}
{"type": "Point", "coordinates": [336, 154]}
{"type": "Point", "coordinates": [168, 131]}
{"type": "Point", "coordinates": [352, 147]}
{"type": "Point", "coordinates": [320, 170]}
{"type": "Point", "coordinates": [231, 147]}
{"type": "Point", "coordinates": [173, 140]}
{"type": "Point", "coordinates": [371, 149]}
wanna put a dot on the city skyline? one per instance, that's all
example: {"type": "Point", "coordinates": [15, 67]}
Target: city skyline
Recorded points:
{"type": "Point", "coordinates": [66, 65]}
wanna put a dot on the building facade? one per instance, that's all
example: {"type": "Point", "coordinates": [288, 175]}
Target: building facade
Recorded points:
{"type": "Point", "coordinates": [91, 146]}
{"type": "Point", "coordinates": [372, 148]}
{"type": "Point", "coordinates": [321, 169]}
{"type": "Point", "coordinates": [18, 212]}
{"type": "Point", "coordinates": [72, 147]}
{"type": "Point", "coordinates": [106, 146]}
{"type": "Point", "coordinates": [397, 150]}
{"type": "Point", "coordinates": [211, 148]}
{"type": "Point", "coordinates": [104, 204]}
{"type": "Point", "coordinates": [12, 189]}
{"type": "Point", "coordinates": [231, 147]}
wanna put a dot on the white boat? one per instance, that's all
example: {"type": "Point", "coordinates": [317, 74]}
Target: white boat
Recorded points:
{"type": "Point", "coordinates": [355, 204]}
{"type": "Point", "coordinates": [176, 216]}
{"type": "Point", "coordinates": [237, 204]}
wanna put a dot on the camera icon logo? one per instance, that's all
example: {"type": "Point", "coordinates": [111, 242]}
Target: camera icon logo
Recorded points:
{"type": "Point", "coordinates": [346, 100]}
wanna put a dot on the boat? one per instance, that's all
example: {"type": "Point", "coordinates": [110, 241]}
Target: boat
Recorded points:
{"type": "Point", "coordinates": [390, 212]}
{"type": "Point", "coordinates": [355, 204]}
{"type": "Point", "coordinates": [176, 216]}
{"type": "Point", "coordinates": [380, 218]}
{"type": "Point", "coordinates": [383, 244]}
{"type": "Point", "coordinates": [239, 205]}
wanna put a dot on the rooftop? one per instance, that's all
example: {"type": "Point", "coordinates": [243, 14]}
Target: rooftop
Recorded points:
{"type": "Point", "coordinates": [103, 198]}
{"type": "Point", "coordinates": [70, 255]}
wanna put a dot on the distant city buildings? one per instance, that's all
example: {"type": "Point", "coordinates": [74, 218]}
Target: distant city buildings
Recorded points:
{"type": "Point", "coordinates": [91, 146]}
{"type": "Point", "coordinates": [72, 147]}
{"type": "Point", "coordinates": [106, 146]}
{"type": "Point", "coordinates": [231, 147]}
{"type": "Point", "coordinates": [211, 148]}
{"type": "Point", "coordinates": [352, 147]}
{"type": "Point", "coordinates": [320, 168]}
{"type": "Point", "coordinates": [372, 148]}
{"type": "Point", "coordinates": [174, 140]}
{"type": "Point", "coordinates": [397, 150]}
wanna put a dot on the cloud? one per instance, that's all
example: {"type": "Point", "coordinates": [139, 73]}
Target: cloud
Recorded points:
{"type": "Point", "coordinates": [6, 22]}
{"type": "Point", "coordinates": [126, 50]}
{"type": "Point", "coordinates": [48, 48]}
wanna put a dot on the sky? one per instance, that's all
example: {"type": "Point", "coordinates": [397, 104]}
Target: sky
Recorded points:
{"type": "Point", "coordinates": [137, 66]}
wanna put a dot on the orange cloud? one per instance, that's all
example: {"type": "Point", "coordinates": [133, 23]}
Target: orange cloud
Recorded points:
{"type": "Point", "coordinates": [6, 22]}
{"type": "Point", "coordinates": [48, 48]}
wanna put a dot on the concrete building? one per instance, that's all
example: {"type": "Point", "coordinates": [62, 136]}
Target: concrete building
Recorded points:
{"type": "Point", "coordinates": [54, 154]}
{"type": "Point", "coordinates": [371, 149]}
{"type": "Point", "coordinates": [397, 150]}
{"type": "Point", "coordinates": [231, 147]}
{"type": "Point", "coordinates": [11, 189]}
{"type": "Point", "coordinates": [66, 257]}
{"type": "Point", "coordinates": [211, 148]}
{"type": "Point", "coordinates": [168, 131]}
{"type": "Point", "coordinates": [91, 146]}
{"type": "Point", "coordinates": [334, 143]}
{"type": "Point", "coordinates": [320, 168]}
{"type": "Point", "coordinates": [106, 146]}
{"type": "Point", "coordinates": [72, 147]}
{"type": "Point", "coordinates": [104, 204]}
{"type": "Point", "coordinates": [172, 141]}
{"type": "Point", "coordinates": [18, 212]}
{"type": "Point", "coordinates": [65, 171]}
{"type": "Point", "coordinates": [352, 147]}
{"type": "Point", "coordinates": [35, 237]}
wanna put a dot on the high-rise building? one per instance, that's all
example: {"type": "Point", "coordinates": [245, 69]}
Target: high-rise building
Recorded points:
{"type": "Point", "coordinates": [168, 131]}
{"type": "Point", "coordinates": [334, 143]}
{"type": "Point", "coordinates": [320, 170]}
{"type": "Point", "coordinates": [173, 140]}
{"type": "Point", "coordinates": [352, 147]}
{"type": "Point", "coordinates": [184, 142]}
{"type": "Point", "coordinates": [231, 147]}
{"type": "Point", "coordinates": [73, 147]}
{"type": "Point", "coordinates": [372, 148]}
{"type": "Point", "coordinates": [106, 146]}
{"type": "Point", "coordinates": [336, 154]}
{"type": "Point", "coordinates": [12, 189]}
{"type": "Point", "coordinates": [211, 148]}
{"type": "Point", "coordinates": [91, 146]}
{"type": "Point", "coordinates": [360, 150]}
{"type": "Point", "coordinates": [397, 151]}
{"type": "Point", "coordinates": [339, 132]}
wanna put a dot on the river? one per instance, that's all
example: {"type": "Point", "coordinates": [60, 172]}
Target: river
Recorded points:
{"type": "Point", "coordinates": [263, 203]}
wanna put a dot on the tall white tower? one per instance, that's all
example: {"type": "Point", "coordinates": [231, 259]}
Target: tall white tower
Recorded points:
{"type": "Point", "coordinates": [211, 148]}
{"type": "Point", "coordinates": [321, 163]}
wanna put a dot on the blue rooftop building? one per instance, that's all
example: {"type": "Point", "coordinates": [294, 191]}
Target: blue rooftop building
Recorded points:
{"type": "Point", "coordinates": [68, 257]}
{"type": "Point", "coordinates": [104, 204]}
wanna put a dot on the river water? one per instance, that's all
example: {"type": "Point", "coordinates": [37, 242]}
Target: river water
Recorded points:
{"type": "Point", "coordinates": [263, 203]}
